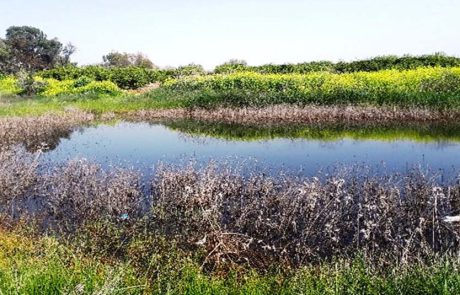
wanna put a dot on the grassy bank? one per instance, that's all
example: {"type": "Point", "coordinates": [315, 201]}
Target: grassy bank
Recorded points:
{"type": "Point", "coordinates": [35, 265]}
{"type": "Point", "coordinates": [93, 103]}
{"type": "Point", "coordinates": [433, 88]}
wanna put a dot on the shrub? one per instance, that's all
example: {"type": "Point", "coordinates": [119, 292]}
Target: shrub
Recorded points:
{"type": "Point", "coordinates": [28, 85]}
{"type": "Point", "coordinates": [131, 77]}
{"type": "Point", "coordinates": [69, 87]}
{"type": "Point", "coordinates": [82, 81]}
{"type": "Point", "coordinates": [9, 85]}
{"type": "Point", "coordinates": [189, 70]}
{"type": "Point", "coordinates": [125, 78]}
{"type": "Point", "coordinates": [97, 87]}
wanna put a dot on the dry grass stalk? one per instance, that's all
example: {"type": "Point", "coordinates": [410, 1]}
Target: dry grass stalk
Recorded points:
{"type": "Point", "coordinates": [34, 132]}
{"type": "Point", "coordinates": [252, 219]}
{"type": "Point", "coordinates": [303, 115]}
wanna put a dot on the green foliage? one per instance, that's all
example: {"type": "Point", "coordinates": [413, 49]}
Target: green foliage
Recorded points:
{"type": "Point", "coordinates": [394, 62]}
{"type": "Point", "coordinates": [70, 87]}
{"type": "Point", "coordinates": [189, 70]}
{"type": "Point", "coordinates": [436, 87]}
{"type": "Point", "coordinates": [232, 66]}
{"type": "Point", "coordinates": [28, 85]}
{"type": "Point", "coordinates": [99, 87]}
{"type": "Point", "coordinates": [4, 58]}
{"type": "Point", "coordinates": [82, 81]}
{"type": "Point", "coordinates": [369, 65]}
{"type": "Point", "coordinates": [126, 78]}
{"type": "Point", "coordinates": [9, 86]}
{"type": "Point", "coordinates": [29, 49]}
{"type": "Point", "coordinates": [132, 77]}
{"type": "Point", "coordinates": [123, 60]}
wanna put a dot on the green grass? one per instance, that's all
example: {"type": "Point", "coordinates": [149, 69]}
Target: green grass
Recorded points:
{"type": "Point", "coordinates": [45, 266]}
{"type": "Point", "coordinates": [19, 106]}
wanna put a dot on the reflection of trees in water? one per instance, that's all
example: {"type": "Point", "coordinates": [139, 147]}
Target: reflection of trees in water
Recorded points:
{"type": "Point", "coordinates": [440, 134]}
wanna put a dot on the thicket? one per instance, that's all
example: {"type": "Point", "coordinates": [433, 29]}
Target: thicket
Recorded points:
{"type": "Point", "coordinates": [27, 85]}
{"type": "Point", "coordinates": [125, 78]}
{"type": "Point", "coordinates": [367, 65]}
{"type": "Point", "coordinates": [436, 87]}
{"type": "Point", "coordinates": [130, 77]}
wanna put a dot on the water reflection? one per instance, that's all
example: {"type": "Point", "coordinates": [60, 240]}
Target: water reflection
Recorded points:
{"type": "Point", "coordinates": [297, 148]}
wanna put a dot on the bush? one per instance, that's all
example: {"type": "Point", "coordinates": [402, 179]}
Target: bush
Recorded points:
{"type": "Point", "coordinates": [28, 85]}
{"type": "Point", "coordinates": [189, 70]}
{"type": "Point", "coordinates": [131, 77]}
{"type": "Point", "coordinates": [98, 87]}
{"type": "Point", "coordinates": [9, 85]}
{"type": "Point", "coordinates": [69, 87]}
{"type": "Point", "coordinates": [125, 78]}
{"type": "Point", "coordinates": [82, 81]}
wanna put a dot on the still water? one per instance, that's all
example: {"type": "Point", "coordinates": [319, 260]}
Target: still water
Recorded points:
{"type": "Point", "coordinates": [144, 145]}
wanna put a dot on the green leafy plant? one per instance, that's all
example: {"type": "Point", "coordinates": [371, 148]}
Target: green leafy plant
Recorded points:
{"type": "Point", "coordinates": [28, 85]}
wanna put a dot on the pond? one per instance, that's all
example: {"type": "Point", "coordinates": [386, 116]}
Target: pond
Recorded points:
{"type": "Point", "coordinates": [294, 148]}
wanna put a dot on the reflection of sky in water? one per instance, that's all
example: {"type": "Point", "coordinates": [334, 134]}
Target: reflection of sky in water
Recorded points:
{"type": "Point", "coordinates": [142, 145]}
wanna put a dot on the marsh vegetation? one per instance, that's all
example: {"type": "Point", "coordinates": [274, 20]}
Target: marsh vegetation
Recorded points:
{"type": "Point", "coordinates": [219, 228]}
{"type": "Point", "coordinates": [190, 222]}
{"type": "Point", "coordinates": [81, 214]}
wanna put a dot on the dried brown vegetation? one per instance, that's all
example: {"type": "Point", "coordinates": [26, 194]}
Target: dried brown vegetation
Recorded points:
{"type": "Point", "coordinates": [310, 114]}
{"type": "Point", "coordinates": [235, 218]}
{"type": "Point", "coordinates": [293, 221]}
{"type": "Point", "coordinates": [34, 132]}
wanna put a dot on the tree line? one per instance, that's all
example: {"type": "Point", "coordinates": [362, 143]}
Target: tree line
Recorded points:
{"type": "Point", "coordinates": [28, 49]}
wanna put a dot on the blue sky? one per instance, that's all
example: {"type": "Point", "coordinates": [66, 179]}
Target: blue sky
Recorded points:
{"type": "Point", "coordinates": [175, 32]}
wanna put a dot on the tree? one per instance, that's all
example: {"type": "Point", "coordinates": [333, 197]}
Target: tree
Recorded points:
{"type": "Point", "coordinates": [189, 70]}
{"type": "Point", "coordinates": [231, 66]}
{"type": "Point", "coordinates": [67, 51]}
{"type": "Point", "coordinates": [4, 56]}
{"type": "Point", "coordinates": [123, 60]}
{"type": "Point", "coordinates": [116, 59]}
{"type": "Point", "coordinates": [29, 49]}
{"type": "Point", "coordinates": [142, 61]}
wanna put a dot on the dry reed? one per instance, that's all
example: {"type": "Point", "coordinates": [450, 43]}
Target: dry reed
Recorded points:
{"type": "Point", "coordinates": [236, 218]}
{"type": "Point", "coordinates": [34, 132]}
{"type": "Point", "coordinates": [310, 114]}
